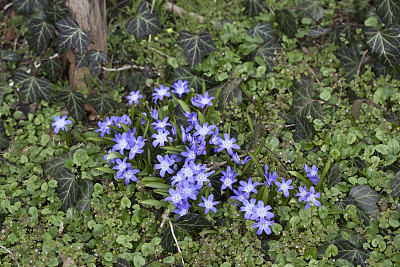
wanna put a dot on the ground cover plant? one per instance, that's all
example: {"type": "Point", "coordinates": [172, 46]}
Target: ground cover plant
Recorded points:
{"type": "Point", "coordinates": [211, 133]}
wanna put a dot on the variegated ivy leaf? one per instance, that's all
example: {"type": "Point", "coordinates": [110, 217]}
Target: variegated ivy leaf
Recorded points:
{"type": "Point", "coordinates": [192, 221]}
{"type": "Point", "coordinates": [96, 60]}
{"type": "Point", "coordinates": [53, 167]}
{"type": "Point", "coordinates": [333, 176]}
{"type": "Point", "coordinates": [254, 7]}
{"type": "Point", "coordinates": [41, 33]}
{"type": "Point", "coordinates": [195, 47]}
{"type": "Point", "coordinates": [365, 199]}
{"type": "Point", "coordinates": [343, 33]}
{"type": "Point", "coordinates": [385, 43]}
{"type": "Point", "coordinates": [305, 129]}
{"type": "Point", "coordinates": [352, 252]}
{"type": "Point", "coordinates": [267, 52]}
{"type": "Point", "coordinates": [57, 11]}
{"type": "Point", "coordinates": [350, 60]}
{"type": "Point", "coordinates": [4, 140]}
{"type": "Point", "coordinates": [303, 104]}
{"type": "Point", "coordinates": [52, 67]}
{"type": "Point", "coordinates": [9, 55]}
{"type": "Point", "coordinates": [70, 36]}
{"type": "Point", "coordinates": [388, 10]}
{"type": "Point", "coordinates": [67, 188]}
{"type": "Point", "coordinates": [145, 23]}
{"type": "Point", "coordinates": [4, 89]}
{"type": "Point", "coordinates": [84, 195]}
{"type": "Point", "coordinates": [100, 103]}
{"type": "Point", "coordinates": [75, 102]}
{"type": "Point", "coordinates": [263, 30]}
{"type": "Point", "coordinates": [231, 93]}
{"type": "Point", "coordinates": [313, 8]}
{"type": "Point", "coordinates": [27, 7]}
{"type": "Point", "coordinates": [167, 240]}
{"type": "Point", "coordinates": [80, 60]}
{"type": "Point", "coordinates": [396, 185]}
{"type": "Point", "coordinates": [194, 81]}
{"type": "Point", "coordinates": [32, 88]}
{"type": "Point", "coordinates": [287, 22]}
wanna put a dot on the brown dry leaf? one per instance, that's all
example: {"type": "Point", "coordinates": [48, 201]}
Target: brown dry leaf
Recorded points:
{"type": "Point", "coordinates": [94, 115]}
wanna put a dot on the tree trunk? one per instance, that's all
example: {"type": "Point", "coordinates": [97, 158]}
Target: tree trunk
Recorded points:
{"type": "Point", "coordinates": [91, 17]}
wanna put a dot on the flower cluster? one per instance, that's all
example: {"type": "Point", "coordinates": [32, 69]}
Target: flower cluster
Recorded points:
{"type": "Point", "coordinates": [312, 173]}
{"type": "Point", "coordinates": [309, 197]}
{"type": "Point", "coordinates": [60, 123]}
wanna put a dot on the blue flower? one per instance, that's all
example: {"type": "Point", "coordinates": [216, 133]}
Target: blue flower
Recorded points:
{"type": "Point", "coordinates": [248, 208]}
{"type": "Point", "coordinates": [271, 179]}
{"type": "Point", "coordinates": [228, 178]}
{"type": "Point", "coordinates": [60, 123]}
{"type": "Point", "coordinates": [134, 97]}
{"type": "Point", "coordinates": [227, 144]}
{"type": "Point", "coordinates": [188, 190]}
{"type": "Point", "coordinates": [104, 127]}
{"type": "Point", "coordinates": [161, 137]}
{"type": "Point", "coordinates": [312, 198]}
{"type": "Point", "coordinates": [248, 187]}
{"type": "Point", "coordinates": [202, 177]}
{"type": "Point", "coordinates": [175, 196]}
{"type": "Point", "coordinates": [160, 93]}
{"type": "Point", "coordinates": [215, 138]}
{"type": "Point", "coordinates": [209, 203]}
{"type": "Point", "coordinates": [122, 165]}
{"type": "Point", "coordinates": [154, 113]}
{"type": "Point", "coordinates": [236, 159]}
{"type": "Point", "coordinates": [312, 173]}
{"type": "Point", "coordinates": [189, 154]}
{"type": "Point", "coordinates": [180, 88]}
{"type": "Point", "coordinates": [177, 178]}
{"type": "Point", "coordinates": [161, 125]}
{"type": "Point", "coordinates": [129, 175]}
{"type": "Point", "coordinates": [192, 118]}
{"type": "Point", "coordinates": [182, 209]}
{"type": "Point", "coordinates": [202, 101]}
{"type": "Point", "coordinates": [165, 165]}
{"type": "Point", "coordinates": [137, 144]}
{"type": "Point", "coordinates": [259, 211]}
{"type": "Point", "coordinates": [204, 130]}
{"type": "Point", "coordinates": [284, 186]}
{"type": "Point", "coordinates": [122, 142]}
{"type": "Point", "coordinates": [303, 194]}
{"type": "Point", "coordinates": [239, 195]}
{"type": "Point", "coordinates": [263, 225]}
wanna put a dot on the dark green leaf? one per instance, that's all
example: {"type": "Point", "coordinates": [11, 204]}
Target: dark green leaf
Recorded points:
{"type": "Point", "coordinates": [343, 32]}
{"type": "Point", "coordinates": [356, 107]}
{"type": "Point", "coordinates": [52, 67]}
{"type": "Point", "coordinates": [254, 7]}
{"type": "Point", "coordinates": [388, 10]}
{"type": "Point", "coordinates": [167, 240]}
{"type": "Point", "coordinates": [395, 185]}
{"type": "Point", "coordinates": [287, 22]}
{"type": "Point", "coordinates": [41, 34]}
{"type": "Point", "coordinates": [267, 52]}
{"type": "Point", "coordinates": [27, 7]}
{"type": "Point", "coordinates": [333, 176]}
{"type": "Point", "coordinates": [303, 104]}
{"type": "Point", "coordinates": [4, 140]}
{"type": "Point", "coordinates": [75, 102]}
{"type": "Point", "coordinates": [57, 11]}
{"type": "Point", "coordinates": [263, 30]}
{"type": "Point", "coordinates": [195, 47]}
{"type": "Point", "coordinates": [365, 199]}
{"type": "Point", "coordinates": [385, 44]}
{"type": "Point", "coordinates": [101, 104]}
{"type": "Point", "coordinates": [228, 95]}
{"type": "Point", "coordinates": [84, 195]}
{"type": "Point", "coordinates": [194, 81]}
{"type": "Point", "coordinates": [4, 89]}
{"type": "Point", "coordinates": [96, 60]}
{"type": "Point", "coordinates": [122, 263]}
{"type": "Point", "coordinates": [32, 88]}
{"type": "Point", "coordinates": [313, 8]}
{"type": "Point", "coordinates": [304, 129]}
{"type": "Point", "coordinates": [67, 188]}
{"type": "Point", "coordinates": [349, 251]}
{"type": "Point", "coordinates": [9, 55]}
{"type": "Point", "coordinates": [350, 60]}
{"type": "Point", "coordinates": [318, 32]}
{"type": "Point", "coordinates": [145, 23]}
{"type": "Point", "coordinates": [80, 60]}
{"type": "Point", "coordinates": [53, 167]}
{"type": "Point", "coordinates": [192, 221]}
{"type": "Point", "coordinates": [70, 36]}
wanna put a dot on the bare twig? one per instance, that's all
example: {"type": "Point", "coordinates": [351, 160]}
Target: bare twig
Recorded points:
{"type": "Point", "coordinates": [326, 103]}
{"type": "Point", "coordinates": [12, 255]}
{"type": "Point", "coordinates": [124, 68]}
{"type": "Point", "coordinates": [151, 11]}
{"type": "Point", "coordinates": [176, 242]}
{"type": "Point", "coordinates": [172, 8]}
{"type": "Point", "coordinates": [359, 66]}
{"type": "Point", "coordinates": [319, 83]}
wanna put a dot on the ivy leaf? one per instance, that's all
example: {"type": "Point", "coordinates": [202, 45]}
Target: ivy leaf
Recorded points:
{"type": "Point", "coordinates": [304, 129]}
{"type": "Point", "coordinates": [254, 7]}
{"type": "Point", "coordinates": [70, 36]}
{"type": "Point", "coordinates": [41, 34]}
{"type": "Point", "coordinates": [286, 22]}
{"type": "Point", "coordinates": [195, 47]}
{"type": "Point", "coordinates": [365, 199]}
{"type": "Point", "coordinates": [345, 32]}
{"type": "Point", "coordinates": [267, 52]}
{"type": "Point", "coordinates": [395, 185]}
{"type": "Point", "coordinates": [122, 263]}
{"type": "Point", "coordinates": [351, 252]}
{"type": "Point", "coordinates": [75, 102]}
{"type": "Point", "coordinates": [228, 94]}
{"type": "Point", "coordinates": [333, 176]}
{"type": "Point", "coordinates": [57, 11]}
{"type": "Point", "coordinates": [101, 104]}
{"type": "Point", "coordinates": [192, 221]}
{"type": "Point", "coordinates": [9, 55]}
{"type": "Point", "coordinates": [32, 88]}
{"type": "Point", "coordinates": [53, 167]}
{"type": "Point", "coordinates": [96, 60]}
{"type": "Point", "coordinates": [84, 195]}
{"type": "Point", "coordinates": [313, 8]}
{"type": "Point", "coordinates": [388, 10]}
{"type": "Point", "coordinates": [263, 30]}
{"type": "Point", "coordinates": [27, 7]}
{"type": "Point", "coordinates": [167, 240]}
{"type": "Point", "coordinates": [80, 60]}
{"type": "Point", "coordinates": [385, 44]}
{"type": "Point", "coordinates": [350, 60]}
{"type": "Point", "coordinates": [67, 188]}
{"type": "Point", "coordinates": [194, 81]}
{"type": "Point", "coordinates": [52, 67]}
{"type": "Point", "coordinates": [4, 140]}
{"type": "Point", "coordinates": [145, 23]}
{"type": "Point", "coordinates": [4, 89]}
{"type": "Point", "coordinates": [303, 104]}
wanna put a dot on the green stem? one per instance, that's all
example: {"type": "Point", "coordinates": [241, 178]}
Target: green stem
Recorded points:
{"type": "Point", "coordinates": [339, 212]}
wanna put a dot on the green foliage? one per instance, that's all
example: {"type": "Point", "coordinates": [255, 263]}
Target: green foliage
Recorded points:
{"type": "Point", "coordinates": [71, 36]}
{"type": "Point", "coordinates": [145, 23]}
